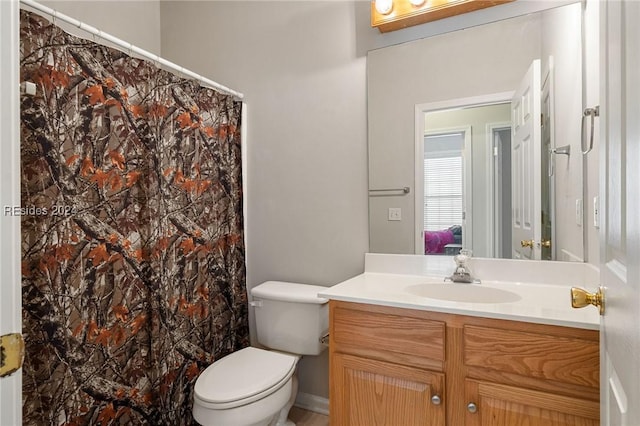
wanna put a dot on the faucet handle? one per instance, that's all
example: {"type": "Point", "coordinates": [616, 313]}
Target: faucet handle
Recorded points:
{"type": "Point", "coordinates": [462, 257]}
{"type": "Point", "coordinates": [462, 273]}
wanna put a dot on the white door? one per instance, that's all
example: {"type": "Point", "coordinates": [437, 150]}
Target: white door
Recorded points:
{"type": "Point", "coordinates": [526, 166]}
{"type": "Point", "coordinates": [620, 200]}
{"type": "Point", "coordinates": [10, 293]}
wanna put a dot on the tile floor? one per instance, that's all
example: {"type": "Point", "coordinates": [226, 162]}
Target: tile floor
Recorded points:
{"type": "Point", "coordinates": [307, 418]}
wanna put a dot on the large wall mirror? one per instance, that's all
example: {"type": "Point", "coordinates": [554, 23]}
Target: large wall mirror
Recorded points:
{"type": "Point", "coordinates": [475, 140]}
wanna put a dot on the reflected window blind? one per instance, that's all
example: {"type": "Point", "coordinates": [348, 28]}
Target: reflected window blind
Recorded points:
{"type": "Point", "coordinates": [442, 192]}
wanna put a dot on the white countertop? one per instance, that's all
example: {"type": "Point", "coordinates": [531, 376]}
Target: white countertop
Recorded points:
{"type": "Point", "coordinates": [541, 303]}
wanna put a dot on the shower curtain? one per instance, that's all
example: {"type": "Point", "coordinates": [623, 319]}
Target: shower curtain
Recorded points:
{"type": "Point", "coordinates": [133, 255]}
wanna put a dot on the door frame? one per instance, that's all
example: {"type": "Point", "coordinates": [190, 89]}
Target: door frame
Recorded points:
{"type": "Point", "coordinates": [547, 91]}
{"type": "Point", "coordinates": [494, 230]}
{"type": "Point", "coordinates": [10, 275]}
{"type": "Point", "coordinates": [467, 230]}
{"type": "Point", "coordinates": [419, 132]}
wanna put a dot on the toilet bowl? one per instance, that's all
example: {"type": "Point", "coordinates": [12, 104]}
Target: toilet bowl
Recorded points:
{"type": "Point", "coordinates": [258, 387]}
{"type": "Point", "coordinates": [248, 387]}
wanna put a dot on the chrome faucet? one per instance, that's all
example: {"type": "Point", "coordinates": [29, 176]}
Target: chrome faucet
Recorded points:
{"type": "Point", "coordinates": [462, 273]}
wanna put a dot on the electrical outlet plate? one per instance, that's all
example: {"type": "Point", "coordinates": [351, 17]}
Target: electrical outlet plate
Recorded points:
{"type": "Point", "coordinates": [395, 213]}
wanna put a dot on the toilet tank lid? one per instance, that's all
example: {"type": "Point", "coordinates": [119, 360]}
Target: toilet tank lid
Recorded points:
{"type": "Point", "coordinates": [289, 292]}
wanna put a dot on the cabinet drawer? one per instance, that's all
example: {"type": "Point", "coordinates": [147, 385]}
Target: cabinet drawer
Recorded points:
{"type": "Point", "coordinates": [561, 359]}
{"type": "Point", "coordinates": [382, 334]}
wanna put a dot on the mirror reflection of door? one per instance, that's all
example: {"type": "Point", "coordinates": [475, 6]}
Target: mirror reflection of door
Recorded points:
{"type": "Point", "coordinates": [526, 167]}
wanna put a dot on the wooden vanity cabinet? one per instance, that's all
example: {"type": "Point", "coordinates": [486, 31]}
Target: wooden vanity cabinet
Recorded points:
{"type": "Point", "coordinates": [386, 367]}
{"type": "Point", "coordinates": [392, 366]}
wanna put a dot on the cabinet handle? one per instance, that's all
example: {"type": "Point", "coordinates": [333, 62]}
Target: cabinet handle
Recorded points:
{"type": "Point", "coordinates": [472, 408]}
{"type": "Point", "coordinates": [435, 400]}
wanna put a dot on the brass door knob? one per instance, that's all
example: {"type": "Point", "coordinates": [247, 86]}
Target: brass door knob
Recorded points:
{"type": "Point", "coordinates": [527, 243]}
{"type": "Point", "coordinates": [546, 243]}
{"type": "Point", "coordinates": [11, 353]}
{"type": "Point", "coordinates": [581, 298]}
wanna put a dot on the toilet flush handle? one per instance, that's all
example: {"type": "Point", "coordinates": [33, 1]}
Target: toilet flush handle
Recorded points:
{"type": "Point", "coordinates": [256, 303]}
{"type": "Point", "coordinates": [324, 340]}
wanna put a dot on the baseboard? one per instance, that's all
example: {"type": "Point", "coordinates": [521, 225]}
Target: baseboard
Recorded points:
{"type": "Point", "coordinates": [314, 403]}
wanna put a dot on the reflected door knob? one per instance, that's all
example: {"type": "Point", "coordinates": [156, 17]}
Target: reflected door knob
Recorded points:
{"type": "Point", "coordinates": [527, 243]}
{"type": "Point", "coordinates": [546, 243]}
{"type": "Point", "coordinates": [581, 298]}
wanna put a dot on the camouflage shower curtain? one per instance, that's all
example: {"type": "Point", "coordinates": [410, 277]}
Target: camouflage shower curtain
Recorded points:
{"type": "Point", "coordinates": [132, 248]}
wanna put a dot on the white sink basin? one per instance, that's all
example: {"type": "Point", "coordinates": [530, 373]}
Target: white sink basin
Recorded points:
{"type": "Point", "coordinates": [468, 293]}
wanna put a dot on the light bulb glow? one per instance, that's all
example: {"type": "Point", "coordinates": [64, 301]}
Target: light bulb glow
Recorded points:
{"type": "Point", "coordinates": [417, 2]}
{"type": "Point", "coordinates": [384, 7]}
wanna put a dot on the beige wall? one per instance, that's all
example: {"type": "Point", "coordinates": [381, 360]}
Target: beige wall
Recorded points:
{"type": "Point", "coordinates": [135, 21]}
{"type": "Point", "coordinates": [304, 85]}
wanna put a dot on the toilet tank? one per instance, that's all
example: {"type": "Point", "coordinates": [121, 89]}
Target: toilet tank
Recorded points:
{"type": "Point", "coordinates": [290, 317]}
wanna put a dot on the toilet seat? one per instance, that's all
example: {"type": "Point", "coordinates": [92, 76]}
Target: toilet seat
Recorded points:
{"type": "Point", "coordinates": [243, 377]}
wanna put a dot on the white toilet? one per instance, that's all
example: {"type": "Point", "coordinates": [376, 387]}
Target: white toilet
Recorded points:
{"type": "Point", "coordinates": [257, 387]}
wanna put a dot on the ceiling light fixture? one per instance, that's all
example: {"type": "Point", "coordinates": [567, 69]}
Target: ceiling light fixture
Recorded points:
{"type": "Point", "coordinates": [384, 7]}
{"type": "Point", "coordinates": [392, 15]}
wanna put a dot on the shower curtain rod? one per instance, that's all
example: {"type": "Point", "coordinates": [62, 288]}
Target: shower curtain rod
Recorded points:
{"type": "Point", "coordinates": [130, 47]}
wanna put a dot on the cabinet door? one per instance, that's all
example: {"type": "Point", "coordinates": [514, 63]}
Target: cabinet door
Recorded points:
{"type": "Point", "coordinates": [367, 392]}
{"type": "Point", "coordinates": [502, 405]}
